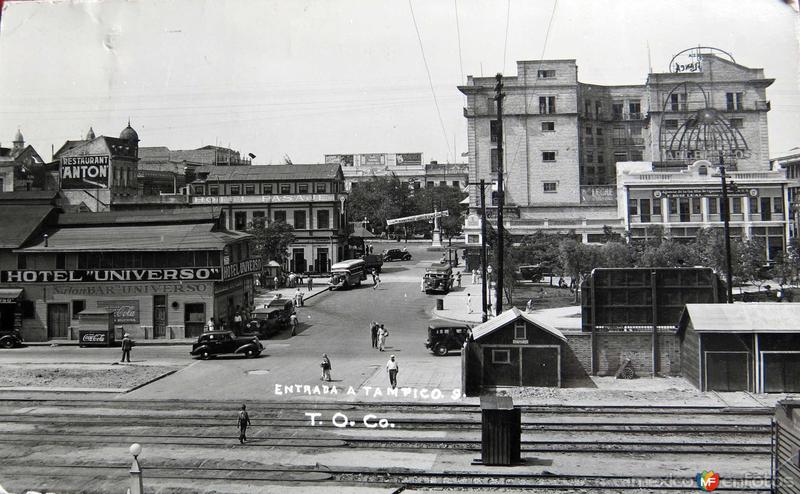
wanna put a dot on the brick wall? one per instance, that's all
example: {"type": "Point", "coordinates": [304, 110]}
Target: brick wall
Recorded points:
{"type": "Point", "coordinates": [613, 348]}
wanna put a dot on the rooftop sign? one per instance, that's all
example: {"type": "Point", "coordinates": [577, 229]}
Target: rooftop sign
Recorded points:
{"type": "Point", "coordinates": [691, 59]}
{"type": "Point", "coordinates": [84, 172]}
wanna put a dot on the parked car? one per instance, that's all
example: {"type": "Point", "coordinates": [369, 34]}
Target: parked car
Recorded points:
{"type": "Point", "coordinates": [396, 255]}
{"type": "Point", "coordinates": [10, 338]}
{"type": "Point", "coordinates": [372, 261]}
{"type": "Point", "coordinates": [446, 336]}
{"type": "Point", "coordinates": [226, 342]}
{"type": "Point", "coordinates": [266, 321]}
{"type": "Point", "coordinates": [531, 272]}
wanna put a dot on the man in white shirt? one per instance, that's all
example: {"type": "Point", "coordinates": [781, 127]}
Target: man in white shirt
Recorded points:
{"type": "Point", "coordinates": [392, 368]}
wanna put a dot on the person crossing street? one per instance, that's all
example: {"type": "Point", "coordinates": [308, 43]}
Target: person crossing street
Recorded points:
{"type": "Point", "coordinates": [242, 423]}
{"type": "Point", "coordinates": [392, 368]}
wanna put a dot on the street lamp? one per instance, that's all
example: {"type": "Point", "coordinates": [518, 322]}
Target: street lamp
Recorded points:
{"type": "Point", "coordinates": [137, 487]}
{"type": "Point", "coordinates": [488, 287]}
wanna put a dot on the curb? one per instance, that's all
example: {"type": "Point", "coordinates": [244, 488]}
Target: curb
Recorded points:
{"type": "Point", "coordinates": [162, 376]}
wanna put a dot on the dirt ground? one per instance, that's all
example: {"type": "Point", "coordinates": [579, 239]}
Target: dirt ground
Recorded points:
{"type": "Point", "coordinates": [544, 295]}
{"type": "Point", "coordinates": [97, 376]}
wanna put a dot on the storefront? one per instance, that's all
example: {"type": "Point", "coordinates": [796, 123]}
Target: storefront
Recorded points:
{"type": "Point", "coordinates": [10, 309]}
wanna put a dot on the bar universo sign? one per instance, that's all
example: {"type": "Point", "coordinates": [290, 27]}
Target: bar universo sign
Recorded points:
{"type": "Point", "coordinates": [84, 172]}
{"type": "Point", "coordinates": [108, 275]}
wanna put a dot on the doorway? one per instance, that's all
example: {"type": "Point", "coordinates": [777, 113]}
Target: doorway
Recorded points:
{"type": "Point", "coordinates": [299, 261]}
{"type": "Point", "coordinates": [57, 321]}
{"type": "Point", "coordinates": [159, 316]}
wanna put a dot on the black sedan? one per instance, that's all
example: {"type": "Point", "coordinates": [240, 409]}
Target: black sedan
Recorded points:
{"type": "Point", "coordinates": [396, 255]}
{"type": "Point", "coordinates": [226, 342]}
{"type": "Point", "coordinates": [10, 339]}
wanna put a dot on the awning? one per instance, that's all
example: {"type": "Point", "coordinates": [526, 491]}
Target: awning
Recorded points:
{"type": "Point", "coordinates": [9, 295]}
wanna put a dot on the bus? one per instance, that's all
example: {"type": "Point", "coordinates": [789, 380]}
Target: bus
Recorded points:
{"type": "Point", "coordinates": [347, 274]}
{"type": "Point", "coordinates": [438, 278]}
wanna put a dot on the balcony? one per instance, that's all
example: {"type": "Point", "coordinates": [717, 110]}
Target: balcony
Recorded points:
{"type": "Point", "coordinates": [763, 105]}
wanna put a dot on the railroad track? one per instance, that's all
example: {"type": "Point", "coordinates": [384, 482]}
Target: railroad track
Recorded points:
{"type": "Point", "coordinates": [694, 437]}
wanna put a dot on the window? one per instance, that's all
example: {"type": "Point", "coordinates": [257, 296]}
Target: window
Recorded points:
{"type": "Point", "coordinates": [548, 155]}
{"type": "Point", "coordinates": [235, 190]}
{"type": "Point", "coordinates": [213, 190]}
{"type": "Point", "coordinates": [280, 216]}
{"type": "Point", "coordinates": [494, 160]}
{"type": "Point", "coordinates": [598, 109]}
{"type": "Point", "coordinates": [673, 206]}
{"type": "Point", "coordinates": [319, 187]}
{"type": "Point", "coordinates": [430, 183]}
{"type": "Point", "coordinates": [600, 157]}
{"type": "Point", "coordinates": [599, 131]}
{"type": "Point", "coordinates": [266, 188]}
{"type": "Point", "coordinates": [753, 205]}
{"type": "Point", "coordinates": [736, 203]}
{"type": "Point", "coordinates": [713, 205]}
{"type": "Point", "coordinates": [61, 261]}
{"type": "Point", "coordinates": [733, 101]}
{"type": "Point", "coordinates": [616, 110]}
{"type": "Point", "coordinates": [737, 123]}
{"type": "Point", "coordinates": [670, 124]}
{"type": "Point", "coordinates": [677, 102]}
{"type": "Point", "coordinates": [633, 206]}
{"type": "Point", "coordinates": [456, 183]}
{"type": "Point", "coordinates": [249, 189]}
{"type": "Point", "coordinates": [550, 187]}
{"type": "Point", "coordinates": [645, 209]}
{"type": "Point", "coordinates": [258, 217]}
{"type": "Point", "coordinates": [546, 74]}
{"type": "Point", "coordinates": [302, 188]}
{"type": "Point", "coordinates": [547, 104]}
{"type": "Point", "coordinates": [198, 190]}
{"type": "Point", "coordinates": [520, 332]}
{"type": "Point", "coordinates": [323, 219]}
{"type": "Point", "coordinates": [299, 220]}
{"type": "Point", "coordinates": [494, 130]}
{"type": "Point", "coordinates": [636, 130]}
{"type": "Point", "coordinates": [656, 207]}
{"type": "Point", "coordinates": [589, 156]}
{"type": "Point", "coordinates": [491, 105]}
{"type": "Point", "coordinates": [548, 126]}
{"type": "Point", "coordinates": [240, 220]}
{"type": "Point", "coordinates": [286, 188]}
{"type": "Point", "coordinates": [696, 206]}
{"type": "Point", "coordinates": [636, 155]}
{"type": "Point", "coordinates": [587, 108]}
{"type": "Point", "coordinates": [588, 130]}
{"type": "Point", "coordinates": [77, 307]}
{"type": "Point", "coordinates": [473, 239]}
{"type": "Point", "coordinates": [501, 356]}
{"type": "Point", "coordinates": [635, 110]}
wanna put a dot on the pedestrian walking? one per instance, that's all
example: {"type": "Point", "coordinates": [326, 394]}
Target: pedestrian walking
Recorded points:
{"type": "Point", "coordinates": [298, 298]}
{"type": "Point", "coordinates": [310, 283]}
{"type": "Point", "coordinates": [127, 344]}
{"type": "Point", "coordinates": [275, 283]}
{"type": "Point", "coordinates": [373, 329]}
{"type": "Point", "coordinates": [458, 279]}
{"type": "Point", "coordinates": [392, 368]}
{"type": "Point", "coordinates": [210, 325]}
{"type": "Point", "coordinates": [469, 303]}
{"type": "Point", "coordinates": [374, 278]}
{"type": "Point", "coordinates": [293, 323]}
{"type": "Point", "coordinates": [326, 368]}
{"type": "Point", "coordinates": [382, 334]}
{"type": "Point", "coordinates": [377, 281]}
{"type": "Point", "coordinates": [242, 423]}
{"type": "Point", "coordinates": [237, 320]}
{"type": "Point", "coordinates": [422, 285]}
{"type": "Point", "coordinates": [258, 282]}
{"type": "Point", "coordinates": [529, 305]}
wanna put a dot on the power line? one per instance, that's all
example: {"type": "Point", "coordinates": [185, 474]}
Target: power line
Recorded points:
{"type": "Point", "coordinates": [430, 79]}
{"type": "Point", "coordinates": [458, 34]}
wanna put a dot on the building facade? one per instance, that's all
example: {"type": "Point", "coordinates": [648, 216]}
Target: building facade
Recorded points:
{"type": "Point", "coordinates": [408, 167]}
{"type": "Point", "coordinates": [311, 198]}
{"type": "Point", "coordinates": [562, 138]}
{"type": "Point", "coordinates": [162, 275]}
{"type": "Point", "coordinates": [789, 162]}
{"type": "Point", "coordinates": [21, 167]}
{"type": "Point", "coordinates": [683, 201]}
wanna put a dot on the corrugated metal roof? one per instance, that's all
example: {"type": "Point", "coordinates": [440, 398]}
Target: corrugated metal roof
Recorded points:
{"type": "Point", "coordinates": [171, 215]}
{"type": "Point", "coordinates": [28, 196]}
{"type": "Point", "coordinates": [763, 317]}
{"type": "Point", "coordinates": [272, 172]}
{"type": "Point", "coordinates": [18, 222]}
{"type": "Point", "coordinates": [508, 317]}
{"type": "Point", "coordinates": [147, 237]}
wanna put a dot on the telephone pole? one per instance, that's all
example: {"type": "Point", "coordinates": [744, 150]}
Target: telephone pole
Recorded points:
{"type": "Point", "coordinates": [498, 88]}
{"type": "Point", "coordinates": [726, 227]}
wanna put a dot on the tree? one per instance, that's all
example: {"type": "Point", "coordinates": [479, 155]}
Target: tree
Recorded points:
{"type": "Point", "coordinates": [668, 254]}
{"type": "Point", "coordinates": [442, 198]}
{"type": "Point", "coordinates": [272, 240]}
{"type": "Point", "coordinates": [751, 259]}
{"type": "Point", "coordinates": [616, 255]}
{"type": "Point", "coordinates": [379, 199]}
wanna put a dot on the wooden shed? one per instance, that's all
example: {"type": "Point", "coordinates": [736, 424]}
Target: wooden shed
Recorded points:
{"type": "Point", "coordinates": [741, 347]}
{"type": "Point", "coordinates": [514, 349]}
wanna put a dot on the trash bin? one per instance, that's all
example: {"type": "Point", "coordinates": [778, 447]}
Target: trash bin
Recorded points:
{"type": "Point", "coordinates": [501, 430]}
{"type": "Point", "coordinates": [439, 304]}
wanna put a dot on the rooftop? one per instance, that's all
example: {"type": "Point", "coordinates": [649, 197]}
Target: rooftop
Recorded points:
{"type": "Point", "coordinates": [272, 172]}
{"type": "Point", "coordinates": [510, 316]}
{"type": "Point", "coordinates": [765, 317]}
{"type": "Point", "coordinates": [19, 221]}
{"type": "Point", "coordinates": [166, 216]}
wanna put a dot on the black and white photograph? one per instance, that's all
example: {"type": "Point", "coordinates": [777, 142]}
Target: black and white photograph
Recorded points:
{"type": "Point", "coordinates": [399, 246]}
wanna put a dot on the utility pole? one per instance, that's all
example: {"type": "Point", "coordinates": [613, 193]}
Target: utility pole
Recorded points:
{"type": "Point", "coordinates": [498, 88]}
{"type": "Point", "coordinates": [484, 316]}
{"type": "Point", "coordinates": [726, 226]}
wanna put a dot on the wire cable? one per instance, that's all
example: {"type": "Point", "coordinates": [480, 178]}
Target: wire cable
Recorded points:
{"type": "Point", "coordinates": [430, 79]}
{"type": "Point", "coordinates": [505, 43]}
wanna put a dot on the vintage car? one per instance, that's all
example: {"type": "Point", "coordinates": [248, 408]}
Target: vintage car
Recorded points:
{"type": "Point", "coordinates": [396, 255]}
{"type": "Point", "coordinates": [271, 318]}
{"type": "Point", "coordinates": [446, 336]}
{"type": "Point", "coordinates": [438, 278]}
{"type": "Point", "coordinates": [10, 339]}
{"type": "Point", "coordinates": [226, 342]}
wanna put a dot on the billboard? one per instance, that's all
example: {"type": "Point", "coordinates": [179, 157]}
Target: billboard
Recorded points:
{"type": "Point", "coordinates": [85, 172]}
{"type": "Point", "coordinates": [409, 159]}
{"type": "Point", "coordinates": [125, 311]}
{"type": "Point", "coordinates": [340, 159]}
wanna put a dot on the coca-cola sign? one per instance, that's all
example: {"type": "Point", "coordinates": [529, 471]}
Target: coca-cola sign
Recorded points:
{"type": "Point", "coordinates": [125, 311]}
{"type": "Point", "coordinates": [93, 337]}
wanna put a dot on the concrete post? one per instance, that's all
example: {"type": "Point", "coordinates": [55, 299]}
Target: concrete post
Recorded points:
{"type": "Point", "coordinates": [137, 487]}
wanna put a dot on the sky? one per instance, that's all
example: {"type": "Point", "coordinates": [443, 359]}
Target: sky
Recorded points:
{"type": "Point", "coordinates": [305, 78]}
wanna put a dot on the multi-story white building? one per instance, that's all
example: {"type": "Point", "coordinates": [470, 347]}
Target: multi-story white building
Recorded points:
{"type": "Point", "coordinates": [408, 167]}
{"type": "Point", "coordinates": [311, 198]}
{"type": "Point", "coordinates": [789, 162]}
{"type": "Point", "coordinates": [562, 138]}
